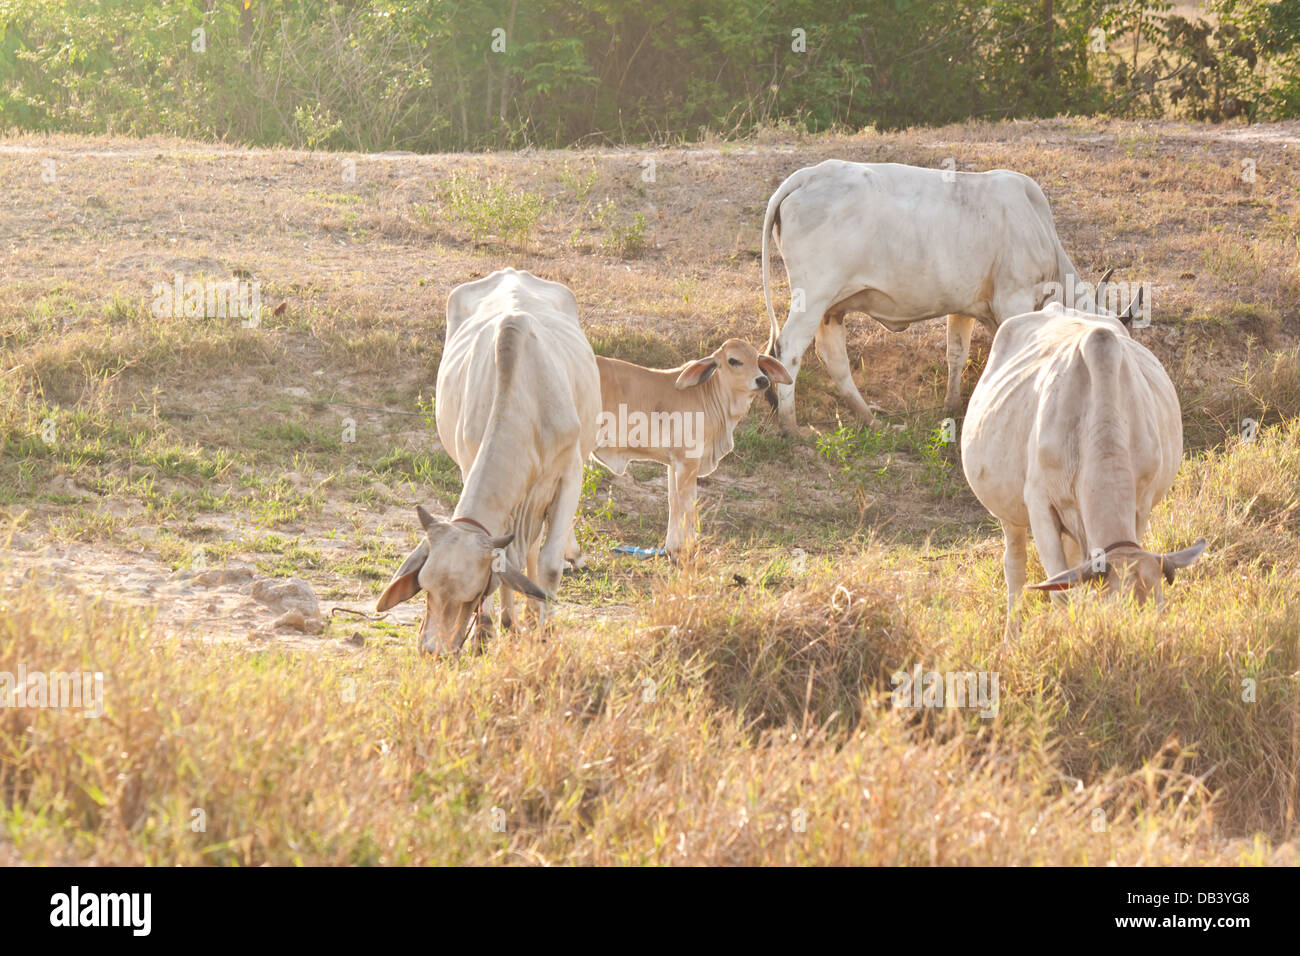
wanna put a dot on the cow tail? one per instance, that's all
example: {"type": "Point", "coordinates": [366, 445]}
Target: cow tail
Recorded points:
{"type": "Point", "coordinates": [772, 218]}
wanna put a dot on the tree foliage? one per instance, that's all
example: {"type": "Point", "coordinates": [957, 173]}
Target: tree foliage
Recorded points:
{"type": "Point", "coordinates": [455, 74]}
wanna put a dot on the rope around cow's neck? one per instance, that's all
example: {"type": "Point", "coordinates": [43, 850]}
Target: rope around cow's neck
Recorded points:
{"type": "Point", "coordinates": [478, 608]}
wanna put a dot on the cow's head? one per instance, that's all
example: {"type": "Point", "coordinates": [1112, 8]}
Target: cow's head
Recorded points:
{"type": "Point", "coordinates": [1128, 569]}
{"type": "Point", "coordinates": [741, 370]}
{"type": "Point", "coordinates": [457, 565]}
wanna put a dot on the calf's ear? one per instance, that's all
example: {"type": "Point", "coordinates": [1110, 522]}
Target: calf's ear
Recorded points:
{"type": "Point", "coordinates": [406, 582]}
{"type": "Point", "coordinates": [697, 373]}
{"type": "Point", "coordinates": [774, 370]}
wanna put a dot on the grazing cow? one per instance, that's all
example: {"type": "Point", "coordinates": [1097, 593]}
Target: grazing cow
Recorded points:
{"type": "Point", "coordinates": [683, 418]}
{"type": "Point", "coordinates": [1074, 431]}
{"type": "Point", "coordinates": [517, 410]}
{"type": "Point", "coordinates": [905, 244]}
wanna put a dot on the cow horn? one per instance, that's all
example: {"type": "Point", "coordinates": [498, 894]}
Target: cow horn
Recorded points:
{"type": "Point", "coordinates": [1099, 300]}
{"type": "Point", "coordinates": [1068, 578]}
{"type": "Point", "coordinates": [519, 582]}
{"type": "Point", "coordinates": [1133, 304]}
{"type": "Point", "coordinates": [427, 520]}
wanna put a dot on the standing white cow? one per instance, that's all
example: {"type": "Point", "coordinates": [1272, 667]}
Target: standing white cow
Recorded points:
{"type": "Point", "coordinates": [1074, 431]}
{"type": "Point", "coordinates": [518, 408]}
{"type": "Point", "coordinates": [905, 244]}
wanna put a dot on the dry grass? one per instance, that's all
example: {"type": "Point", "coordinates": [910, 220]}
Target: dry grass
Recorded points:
{"type": "Point", "coordinates": [719, 724]}
{"type": "Point", "coordinates": [695, 715]}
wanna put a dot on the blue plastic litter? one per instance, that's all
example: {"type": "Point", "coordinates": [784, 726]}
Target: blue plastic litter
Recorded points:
{"type": "Point", "coordinates": [640, 552]}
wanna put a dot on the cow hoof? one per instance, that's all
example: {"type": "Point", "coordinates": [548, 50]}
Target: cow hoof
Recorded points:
{"type": "Point", "coordinates": [798, 431]}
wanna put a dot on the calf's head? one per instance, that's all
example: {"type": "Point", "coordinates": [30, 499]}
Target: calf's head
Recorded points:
{"type": "Point", "coordinates": [741, 369]}
{"type": "Point", "coordinates": [457, 566]}
{"type": "Point", "coordinates": [1128, 569]}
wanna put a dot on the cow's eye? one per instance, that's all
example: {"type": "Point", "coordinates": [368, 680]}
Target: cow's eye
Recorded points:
{"type": "Point", "coordinates": [735, 363]}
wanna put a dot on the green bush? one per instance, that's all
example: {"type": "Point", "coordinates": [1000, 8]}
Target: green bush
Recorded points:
{"type": "Point", "coordinates": [494, 209]}
{"type": "Point", "coordinates": [374, 75]}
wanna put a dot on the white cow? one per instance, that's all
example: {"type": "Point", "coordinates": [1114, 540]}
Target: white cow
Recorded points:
{"type": "Point", "coordinates": [1074, 431]}
{"type": "Point", "coordinates": [517, 407]}
{"type": "Point", "coordinates": [905, 244]}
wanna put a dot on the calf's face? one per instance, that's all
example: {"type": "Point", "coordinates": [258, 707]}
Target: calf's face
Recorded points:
{"type": "Point", "coordinates": [457, 566]}
{"type": "Point", "coordinates": [740, 368]}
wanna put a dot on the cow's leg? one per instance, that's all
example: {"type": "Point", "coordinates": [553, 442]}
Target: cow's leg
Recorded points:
{"type": "Point", "coordinates": [1013, 568]}
{"type": "Point", "coordinates": [834, 353]}
{"type": "Point", "coordinates": [481, 623]}
{"type": "Point", "coordinates": [1070, 547]}
{"type": "Point", "coordinates": [507, 607]}
{"type": "Point", "coordinates": [532, 566]}
{"type": "Point", "coordinates": [800, 327]}
{"type": "Point", "coordinates": [548, 563]}
{"type": "Point", "coordinates": [573, 552]}
{"type": "Point", "coordinates": [960, 328]}
{"type": "Point", "coordinates": [1047, 539]}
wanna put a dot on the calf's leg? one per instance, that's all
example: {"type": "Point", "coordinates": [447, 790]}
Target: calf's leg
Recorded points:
{"type": "Point", "coordinates": [681, 506]}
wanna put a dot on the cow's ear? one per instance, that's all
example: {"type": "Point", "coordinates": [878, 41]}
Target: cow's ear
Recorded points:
{"type": "Point", "coordinates": [1175, 560]}
{"type": "Point", "coordinates": [698, 372]}
{"type": "Point", "coordinates": [774, 370]}
{"type": "Point", "coordinates": [406, 582]}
